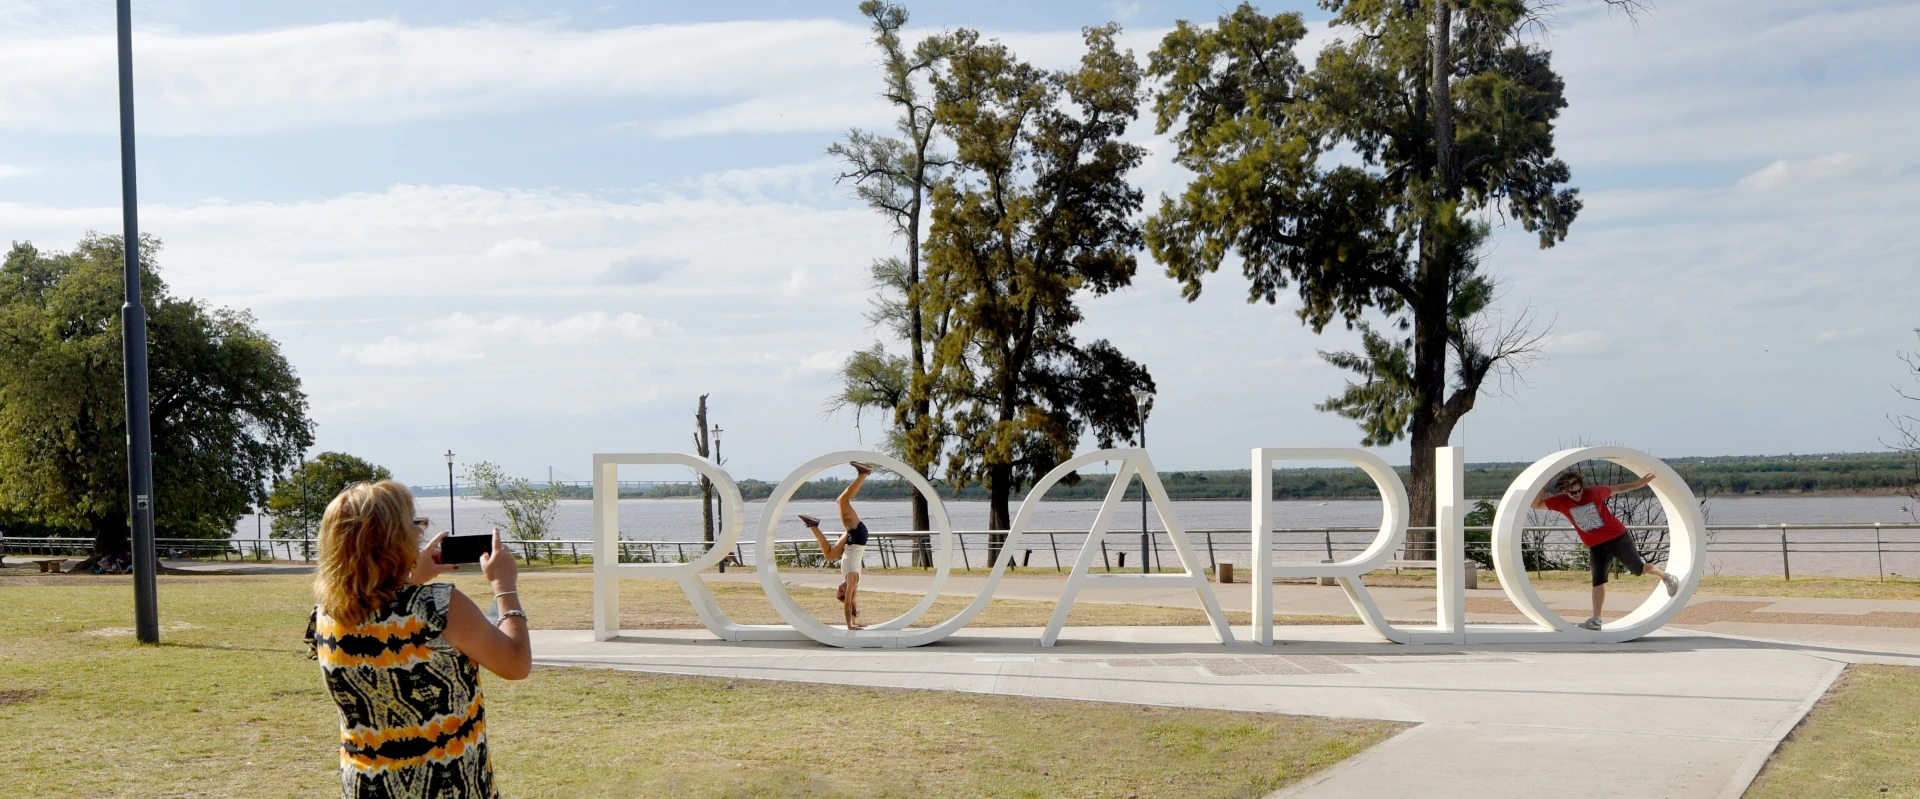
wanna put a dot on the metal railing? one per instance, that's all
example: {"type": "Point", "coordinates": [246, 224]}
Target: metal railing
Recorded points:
{"type": "Point", "coordinates": [978, 548]}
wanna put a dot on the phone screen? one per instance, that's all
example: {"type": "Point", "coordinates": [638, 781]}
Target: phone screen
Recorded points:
{"type": "Point", "coordinates": [464, 548]}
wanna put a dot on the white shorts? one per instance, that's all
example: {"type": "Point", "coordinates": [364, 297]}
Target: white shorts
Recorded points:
{"type": "Point", "coordinates": [850, 559]}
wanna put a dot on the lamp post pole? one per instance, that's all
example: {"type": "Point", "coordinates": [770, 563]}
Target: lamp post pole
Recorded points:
{"type": "Point", "coordinates": [1140, 400]}
{"type": "Point", "coordinates": [452, 526]}
{"type": "Point", "coordinates": [133, 343]}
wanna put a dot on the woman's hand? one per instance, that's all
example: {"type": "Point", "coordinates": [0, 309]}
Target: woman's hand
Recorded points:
{"type": "Point", "coordinates": [499, 566]}
{"type": "Point", "coordinates": [428, 565]}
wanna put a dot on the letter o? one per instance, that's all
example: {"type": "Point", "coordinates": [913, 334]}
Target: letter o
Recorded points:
{"type": "Point", "coordinates": [885, 634]}
{"type": "Point", "coordinates": [1686, 556]}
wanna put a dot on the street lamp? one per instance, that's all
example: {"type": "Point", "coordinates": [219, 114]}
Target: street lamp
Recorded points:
{"type": "Point", "coordinates": [133, 354]}
{"type": "Point", "coordinates": [451, 526]}
{"type": "Point", "coordinates": [1140, 399]}
{"type": "Point", "coordinates": [720, 509]}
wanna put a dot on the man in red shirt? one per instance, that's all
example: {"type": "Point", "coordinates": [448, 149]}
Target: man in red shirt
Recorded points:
{"type": "Point", "coordinates": [1606, 538]}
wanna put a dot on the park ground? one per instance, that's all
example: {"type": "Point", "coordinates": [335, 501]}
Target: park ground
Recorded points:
{"type": "Point", "coordinates": [229, 706]}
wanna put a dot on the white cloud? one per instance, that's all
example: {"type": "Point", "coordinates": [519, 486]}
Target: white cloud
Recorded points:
{"type": "Point", "coordinates": [383, 71]}
{"type": "Point", "coordinates": [1784, 173]}
{"type": "Point", "coordinates": [392, 351]}
{"type": "Point", "coordinates": [517, 247]}
{"type": "Point", "coordinates": [11, 171]}
{"type": "Point", "coordinates": [1734, 80]}
{"type": "Point", "coordinates": [739, 77]}
{"type": "Point", "coordinates": [1578, 342]}
{"type": "Point", "coordinates": [1827, 336]}
{"type": "Point", "coordinates": [433, 241]}
{"type": "Point", "coordinates": [460, 337]}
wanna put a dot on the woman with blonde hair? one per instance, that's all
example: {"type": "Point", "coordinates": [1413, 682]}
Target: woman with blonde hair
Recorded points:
{"type": "Point", "coordinates": [399, 651]}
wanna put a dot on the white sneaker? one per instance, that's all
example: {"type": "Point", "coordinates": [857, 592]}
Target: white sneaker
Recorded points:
{"type": "Point", "coordinates": [1591, 624]}
{"type": "Point", "coordinates": [1673, 585]}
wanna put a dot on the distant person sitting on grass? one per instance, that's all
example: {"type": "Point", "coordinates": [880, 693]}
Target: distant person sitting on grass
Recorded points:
{"type": "Point", "coordinates": [850, 549]}
{"type": "Point", "coordinates": [398, 651]}
{"type": "Point", "coordinates": [1606, 538]}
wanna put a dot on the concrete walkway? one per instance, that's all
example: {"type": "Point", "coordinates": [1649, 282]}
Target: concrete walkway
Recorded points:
{"type": "Point", "coordinates": [1683, 714]}
{"type": "Point", "coordinates": [1677, 715]}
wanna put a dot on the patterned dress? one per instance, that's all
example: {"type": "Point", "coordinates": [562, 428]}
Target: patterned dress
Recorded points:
{"type": "Point", "coordinates": [413, 723]}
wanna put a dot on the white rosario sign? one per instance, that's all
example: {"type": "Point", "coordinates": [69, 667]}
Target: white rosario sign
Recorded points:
{"type": "Point", "coordinates": [1684, 561]}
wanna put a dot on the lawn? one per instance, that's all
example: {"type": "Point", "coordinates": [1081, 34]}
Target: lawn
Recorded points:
{"type": "Point", "coordinates": [228, 706]}
{"type": "Point", "coordinates": [1860, 740]}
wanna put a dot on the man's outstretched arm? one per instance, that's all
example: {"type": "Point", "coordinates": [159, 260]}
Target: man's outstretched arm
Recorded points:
{"type": "Point", "coordinates": [1633, 486]}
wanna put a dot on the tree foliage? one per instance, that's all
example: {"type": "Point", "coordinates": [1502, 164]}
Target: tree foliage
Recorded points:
{"type": "Point", "coordinates": [299, 500]}
{"type": "Point", "coordinates": [1034, 213]}
{"type": "Point", "coordinates": [1366, 185]}
{"type": "Point", "coordinates": [227, 408]}
{"type": "Point", "coordinates": [527, 511]}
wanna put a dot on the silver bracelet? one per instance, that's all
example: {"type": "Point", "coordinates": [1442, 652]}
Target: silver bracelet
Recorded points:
{"type": "Point", "coordinates": [508, 614]}
{"type": "Point", "coordinates": [498, 594]}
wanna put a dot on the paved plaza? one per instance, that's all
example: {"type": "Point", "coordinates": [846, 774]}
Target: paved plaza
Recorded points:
{"type": "Point", "coordinates": [1689, 712]}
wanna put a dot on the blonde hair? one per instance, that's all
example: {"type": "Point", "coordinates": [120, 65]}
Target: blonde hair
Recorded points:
{"type": "Point", "coordinates": [367, 549]}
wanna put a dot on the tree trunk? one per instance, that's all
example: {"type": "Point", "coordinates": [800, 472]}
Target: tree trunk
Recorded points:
{"type": "Point", "coordinates": [700, 445]}
{"type": "Point", "coordinates": [109, 540]}
{"type": "Point", "coordinates": [1430, 427]}
{"type": "Point", "coordinates": [922, 521]}
{"type": "Point", "coordinates": [1442, 73]}
{"type": "Point", "coordinates": [999, 493]}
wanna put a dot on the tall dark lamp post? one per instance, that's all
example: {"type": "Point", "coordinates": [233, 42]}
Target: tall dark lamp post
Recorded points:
{"type": "Point", "coordinates": [452, 526]}
{"type": "Point", "coordinates": [1140, 400]}
{"type": "Point", "coordinates": [133, 342]}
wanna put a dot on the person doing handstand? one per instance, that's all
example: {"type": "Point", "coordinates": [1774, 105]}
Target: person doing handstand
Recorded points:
{"type": "Point", "coordinates": [1606, 538]}
{"type": "Point", "coordinates": [850, 549]}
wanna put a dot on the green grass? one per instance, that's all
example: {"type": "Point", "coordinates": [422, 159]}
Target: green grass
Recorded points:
{"type": "Point", "coordinates": [1859, 741]}
{"type": "Point", "coordinates": [228, 706]}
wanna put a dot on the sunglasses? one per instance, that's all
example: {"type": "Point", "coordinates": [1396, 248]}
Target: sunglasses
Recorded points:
{"type": "Point", "coordinates": [422, 522]}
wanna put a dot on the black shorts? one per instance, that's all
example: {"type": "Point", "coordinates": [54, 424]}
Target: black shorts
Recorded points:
{"type": "Point", "coordinates": [858, 535]}
{"type": "Point", "coordinates": [1619, 548]}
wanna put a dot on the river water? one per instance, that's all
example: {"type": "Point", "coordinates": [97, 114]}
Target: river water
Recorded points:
{"type": "Point", "coordinates": [1836, 552]}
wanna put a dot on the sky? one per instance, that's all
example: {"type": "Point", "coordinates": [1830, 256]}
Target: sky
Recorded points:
{"type": "Point", "coordinates": [529, 233]}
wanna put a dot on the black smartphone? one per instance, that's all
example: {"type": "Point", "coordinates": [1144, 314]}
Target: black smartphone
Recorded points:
{"type": "Point", "coordinates": [465, 548]}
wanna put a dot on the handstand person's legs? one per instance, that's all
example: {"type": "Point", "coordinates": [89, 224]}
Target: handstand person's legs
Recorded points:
{"type": "Point", "coordinates": [847, 516]}
{"type": "Point", "coordinates": [828, 551]}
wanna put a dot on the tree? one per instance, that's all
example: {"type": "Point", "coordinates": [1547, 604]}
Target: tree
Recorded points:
{"type": "Point", "coordinates": [227, 408]}
{"type": "Point", "coordinates": [299, 500]}
{"type": "Point", "coordinates": [1908, 428]}
{"type": "Point", "coordinates": [528, 510]}
{"type": "Point", "coordinates": [702, 445]}
{"type": "Point", "coordinates": [1444, 126]}
{"type": "Point", "coordinates": [1035, 211]}
{"type": "Point", "coordinates": [893, 175]}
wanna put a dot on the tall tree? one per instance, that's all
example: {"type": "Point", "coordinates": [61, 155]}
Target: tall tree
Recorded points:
{"type": "Point", "coordinates": [1035, 213]}
{"type": "Point", "coordinates": [299, 499]}
{"type": "Point", "coordinates": [228, 412]}
{"type": "Point", "coordinates": [1442, 112]}
{"type": "Point", "coordinates": [702, 445]}
{"type": "Point", "coordinates": [893, 174]}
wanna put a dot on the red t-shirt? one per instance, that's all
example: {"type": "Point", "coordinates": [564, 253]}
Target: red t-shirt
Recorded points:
{"type": "Point", "coordinates": [1590, 516]}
